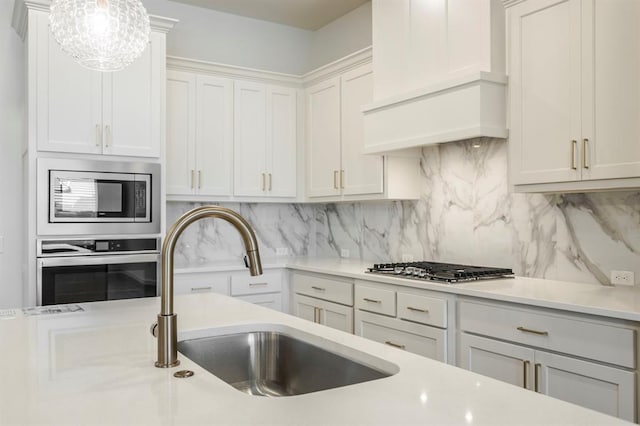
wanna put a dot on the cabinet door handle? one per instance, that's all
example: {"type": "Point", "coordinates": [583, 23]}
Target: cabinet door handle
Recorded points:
{"type": "Point", "coordinates": [200, 288]}
{"type": "Point", "coordinates": [574, 148]}
{"type": "Point", "coordinates": [371, 300]}
{"type": "Point", "coordinates": [98, 135]}
{"type": "Point", "coordinates": [528, 330]}
{"type": "Point", "coordinates": [107, 137]}
{"type": "Point", "coordinates": [525, 368]}
{"type": "Point", "coordinates": [335, 179]}
{"type": "Point", "coordinates": [412, 309]}
{"type": "Point", "coordinates": [395, 345]}
{"type": "Point", "coordinates": [585, 147]}
{"type": "Point", "coordinates": [316, 315]}
{"type": "Point", "coordinates": [342, 179]}
{"type": "Point", "coordinates": [199, 179]}
{"type": "Point", "coordinates": [264, 185]}
{"type": "Point", "coordinates": [318, 288]}
{"type": "Point", "coordinates": [536, 379]}
{"type": "Point", "coordinates": [270, 181]}
{"type": "Point", "coordinates": [191, 181]}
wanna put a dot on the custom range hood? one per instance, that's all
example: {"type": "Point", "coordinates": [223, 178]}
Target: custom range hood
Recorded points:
{"type": "Point", "coordinates": [439, 73]}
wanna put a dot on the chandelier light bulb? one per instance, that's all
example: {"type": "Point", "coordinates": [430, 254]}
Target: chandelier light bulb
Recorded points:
{"type": "Point", "coordinates": [103, 35]}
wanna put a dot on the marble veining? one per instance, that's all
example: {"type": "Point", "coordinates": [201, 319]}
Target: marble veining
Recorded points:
{"type": "Point", "coordinates": [465, 214]}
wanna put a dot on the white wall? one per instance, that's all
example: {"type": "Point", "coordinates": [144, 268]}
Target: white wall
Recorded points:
{"type": "Point", "coordinates": [11, 119]}
{"type": "Point", "coordinates": [345, 35]}
{"type": "Point", "coordinates": [231, 39]}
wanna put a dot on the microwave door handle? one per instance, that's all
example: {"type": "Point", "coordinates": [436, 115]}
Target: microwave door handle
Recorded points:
{"type": "Point", "coordinates": [97, 260]}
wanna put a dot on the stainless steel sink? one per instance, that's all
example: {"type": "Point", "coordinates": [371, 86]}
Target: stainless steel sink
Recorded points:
{"type": "Point", "coordinates": [275, 363]}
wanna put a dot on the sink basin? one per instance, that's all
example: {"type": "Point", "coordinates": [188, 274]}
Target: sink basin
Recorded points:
{"type": "Point", "coordinates": [279, 363]}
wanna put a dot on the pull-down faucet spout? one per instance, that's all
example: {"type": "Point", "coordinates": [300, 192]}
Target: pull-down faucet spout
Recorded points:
{"type": "Point", "coordinates": [167, 330]}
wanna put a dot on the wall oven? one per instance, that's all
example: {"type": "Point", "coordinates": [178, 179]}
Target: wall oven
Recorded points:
{"type": "Point", "coordinates": [82, 197]}
{"type": "Point", "coordinates": [89, 270]}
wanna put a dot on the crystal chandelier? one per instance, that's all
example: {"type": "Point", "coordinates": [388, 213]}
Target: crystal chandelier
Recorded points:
{"type": "Point", "coordinates": [103, 35]}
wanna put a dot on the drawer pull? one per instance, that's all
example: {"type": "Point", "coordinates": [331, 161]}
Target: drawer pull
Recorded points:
{"type": "Point", "coordinates": [200, 288]}
{"type": "Point", "coordinates": [252, 284]}
{"type": "Point", "coordinates": [395, 345]}
{"type": "Point", "coordinates": [412, 309]}
{"type": "Point", "coordinates": [371, 300]}
{"type": "Point", "coordinates": [318, 288]}
{"type": "Point", "coordinates": [528, 330]}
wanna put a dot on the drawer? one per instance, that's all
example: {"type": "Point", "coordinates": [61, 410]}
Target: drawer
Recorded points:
{"type": "Point", "coordinates": [576, 335]}
{"type": "Point", "coordinates": [376, 300]}
{"type": "Point", "coordinates": [419, 339]}
{"type": "Point", "coordinates": [201, 282]}
{"type": "Point", "coordinates": [422, 309]}
{"type": "Point", "coordinates": [327, 287]}
{"type": "Point", "coordinates": [268, 282]}
{"type": "Point", "coordinates": [269, 300]}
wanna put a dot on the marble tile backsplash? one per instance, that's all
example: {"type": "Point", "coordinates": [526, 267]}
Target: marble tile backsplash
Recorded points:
{"type": "Point", "coordinates": [465, 214]}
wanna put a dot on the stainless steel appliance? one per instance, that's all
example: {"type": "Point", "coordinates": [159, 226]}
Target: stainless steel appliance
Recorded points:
{"type": "Point", "coordinates": [89, 270]}
{"type": "Point", "coordinates": [81, 197]}
{"type": "Point", "coordinates": [442, 272]}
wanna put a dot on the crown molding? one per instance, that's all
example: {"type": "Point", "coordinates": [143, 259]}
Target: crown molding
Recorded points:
{"type": "Point", "coordinates": [335, 68]}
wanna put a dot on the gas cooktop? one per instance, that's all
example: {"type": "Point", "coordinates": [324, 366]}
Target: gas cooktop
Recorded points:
{"type": "Point", "coordinates": [443, 272]}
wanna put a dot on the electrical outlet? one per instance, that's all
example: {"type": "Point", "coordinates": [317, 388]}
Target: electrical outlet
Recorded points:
{"type": "Point", "coordinates": [282, 251]}
{"type": "Point", "coordinates": [622, 278]}
{"type": "Point", "coordinates": [344, 253]}
{"type": "Point", "coordinates": [407, 257]}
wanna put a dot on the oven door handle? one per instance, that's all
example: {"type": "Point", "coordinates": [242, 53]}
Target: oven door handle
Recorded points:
{"type": "Point", "coordinates": [96, 260]}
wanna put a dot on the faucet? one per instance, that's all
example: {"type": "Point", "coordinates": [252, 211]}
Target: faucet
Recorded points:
{"type": "Point", "coordinates": [167, 329]}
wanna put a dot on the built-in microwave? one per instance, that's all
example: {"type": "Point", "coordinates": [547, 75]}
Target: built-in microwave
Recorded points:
{"type": "Point", "coordinates": [80, 197]}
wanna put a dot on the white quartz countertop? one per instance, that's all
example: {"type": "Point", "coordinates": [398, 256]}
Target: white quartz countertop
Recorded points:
{"type": "Point", "coordinates": [618, 302]}
{"type": "Point", "coordinates": [96, 367]}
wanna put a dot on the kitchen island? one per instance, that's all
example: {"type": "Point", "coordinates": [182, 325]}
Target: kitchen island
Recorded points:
{"type": "Point", "coordinates": [95, 366]}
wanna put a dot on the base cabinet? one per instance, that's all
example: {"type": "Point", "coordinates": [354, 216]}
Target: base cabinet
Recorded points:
{"type": "Point", "coordinates": [518, 345]}
{"type": "Point", "coordinates": [323, 312]}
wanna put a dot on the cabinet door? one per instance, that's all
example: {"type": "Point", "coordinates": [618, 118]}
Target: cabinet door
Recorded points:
{"type": "Point", "coordinates": [214, 136]}
{"type": "Point", "coordinates": [181, 124]}
{"type": "Point", "coordinates": [419, 339]}
{"type": "Point", "coordinates": [611, 89]}
{"type": "Point", "coordinates": [362, 173]}
{"type": "Point", "coordinates": [281, 141]}
{"type": "Point", "coordinates": [132, 105]}
{"type": "Point", "coordinates": [305, 307]}
{"type": "Point", "coordinates": [601, 388]}
{"type": "Point", "coordinates": [336, 316]}
{"type": "Point", "coordinates": [323, 138]}
{"type": "Point", "coordinates": [250, 176]}
{"type": "Point", "coordinates": [544, 83]}
{"type": "Point", "coordinates": [68, 98]}
{"type": "Point", "coordinates": [502, 361]}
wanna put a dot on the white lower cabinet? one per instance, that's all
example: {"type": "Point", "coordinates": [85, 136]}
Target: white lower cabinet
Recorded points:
{"type": "Point", "coordinates": [265, 289]}
{"type": "Point", "coordinates": [583, 377]}
{"type": "Point", "coordinates": [409, 319]}
{"type": "Point", "coordinates": [323, 299]}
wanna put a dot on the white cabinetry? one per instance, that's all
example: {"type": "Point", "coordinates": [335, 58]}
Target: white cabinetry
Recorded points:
{"type": "Point", "coordinates": [323, 299]}
{"type": "Point", "coordinates": [336, 165]}
{"type": "Point", "coordinates": [265, 290]}
{"type": "Point", "coordinates": [408, 319]}
{"type": "Point", "coordinates": [85, 111]}
{"type": "Point", "coordinates": [264, 140]}
{"type": "Point", "coordinates": [199, 134]}
{"type": "Point", "coordinates": [574, 94]}
{"type": "Point", "coordinates": [602, 379]}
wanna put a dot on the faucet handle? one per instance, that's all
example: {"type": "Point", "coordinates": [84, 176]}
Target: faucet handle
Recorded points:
{"type": "Point", "coordinates": [154, 329]}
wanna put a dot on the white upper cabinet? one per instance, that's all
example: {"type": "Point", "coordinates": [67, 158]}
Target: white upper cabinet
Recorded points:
{"type": "Point", "coordinates": [574, 94]}
{"type": "Point", "coordinates": [264, 140]}
{"type": "Point", "coordinates": [84, 111]}
{"type": "Point", "coordinates": [337, 167]}
{"type": "Point", "coordinates": [199, 134]}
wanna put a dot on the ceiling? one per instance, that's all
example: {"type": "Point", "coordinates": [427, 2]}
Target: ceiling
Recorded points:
{"type": "Point", "coordinates": [305, 14]}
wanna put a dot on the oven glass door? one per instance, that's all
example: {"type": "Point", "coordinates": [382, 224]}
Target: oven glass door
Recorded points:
{"type": "Point", "coordinates": [96, 278]}
{"type": "Point", "coordinates": [98, 197]}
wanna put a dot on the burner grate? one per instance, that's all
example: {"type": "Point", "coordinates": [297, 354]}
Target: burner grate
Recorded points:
{"type": "Point", "coordinates": [436, 271]}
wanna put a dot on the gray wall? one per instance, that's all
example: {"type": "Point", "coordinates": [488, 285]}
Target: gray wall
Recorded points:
{"type": "Point", "coordinates": [11, 119]}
